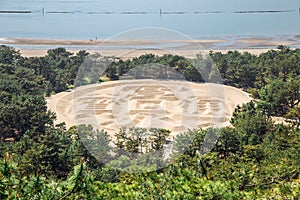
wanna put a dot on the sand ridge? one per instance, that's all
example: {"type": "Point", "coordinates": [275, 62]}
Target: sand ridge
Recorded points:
{"type": "Point", "coordinates": [174, 105]}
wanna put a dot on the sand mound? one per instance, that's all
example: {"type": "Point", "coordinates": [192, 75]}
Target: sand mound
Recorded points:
{"type": "Point", "coordinates": [174, 105]}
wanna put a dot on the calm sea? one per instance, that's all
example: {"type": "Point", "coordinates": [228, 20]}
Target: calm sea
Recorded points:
{"type": "Point", "coordinates": [85, 19]}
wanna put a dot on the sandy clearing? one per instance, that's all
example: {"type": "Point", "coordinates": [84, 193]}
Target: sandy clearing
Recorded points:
{"type": "Point", "coordinates": [174, 105]}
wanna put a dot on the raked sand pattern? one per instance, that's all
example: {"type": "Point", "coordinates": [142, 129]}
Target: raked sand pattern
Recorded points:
{"type": "Point", "coordinates": [174, 105]}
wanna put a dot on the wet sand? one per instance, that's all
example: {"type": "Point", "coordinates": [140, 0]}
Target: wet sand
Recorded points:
{"type": "Point", "coordinates": [30, 41]}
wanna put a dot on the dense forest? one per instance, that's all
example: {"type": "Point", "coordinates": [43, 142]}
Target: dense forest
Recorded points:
{"type": "Point", "coordinates": [255, 158]}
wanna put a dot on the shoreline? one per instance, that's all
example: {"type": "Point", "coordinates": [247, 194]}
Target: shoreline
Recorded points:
{"type": "Point", "coordinates": [134, 48]}
{"type": "Point", "coordinates": [99, 42]}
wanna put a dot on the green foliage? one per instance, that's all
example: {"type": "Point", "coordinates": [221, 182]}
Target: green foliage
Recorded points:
{"type": "Point", "coordinates": [190, 142]}
{"type": "Point", "coordinates": [140, 140]}
{"type": "Point", "coordinates": [250, 124]}
{"type": "Point", "coordinates": [252, 159]}
{"type": "Point", "coordinates": [228, 143]}
{"type": "Point", "coordinates": [140, 149]}
{"type": "Point", "coordinates": [236, 69]}
{"type": "Point", "coordinates": [9, 55]}
{"type": "Point", "coordinates": [97, 146]}
{"type": "Point", "coordinates": [293, 117]}
{"type": "Point", "coordinates": [278, 97]}
{"type": "Point", "coordinates": [22, 107]}
{"type": "Point", "coordinates": [150, 66]}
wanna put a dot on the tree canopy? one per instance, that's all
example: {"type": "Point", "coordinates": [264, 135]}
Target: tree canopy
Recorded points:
{"type": "Point", "coordinates": [254, 158]}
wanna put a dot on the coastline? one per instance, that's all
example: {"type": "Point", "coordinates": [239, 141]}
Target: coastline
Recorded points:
{"type": "Point", "coordinates": [30, 47]}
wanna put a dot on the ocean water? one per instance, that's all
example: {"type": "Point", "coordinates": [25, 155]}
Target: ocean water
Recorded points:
{"type": "Point", "coordinates": [90, 19]}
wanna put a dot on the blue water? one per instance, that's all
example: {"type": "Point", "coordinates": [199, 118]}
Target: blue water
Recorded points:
{"type": "Point", "coordinates": [85, 19]}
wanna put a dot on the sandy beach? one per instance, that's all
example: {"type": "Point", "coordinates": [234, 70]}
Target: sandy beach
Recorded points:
{"type": "Point", "coordinates": [129, 54]}
{"type": "Point", "coordinates": [133, 48]}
